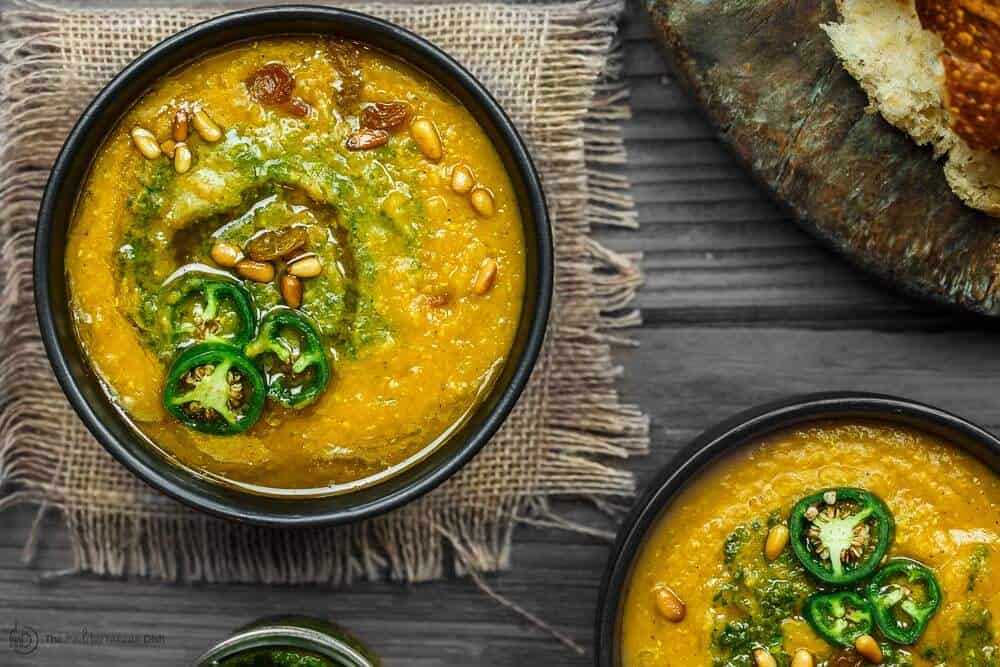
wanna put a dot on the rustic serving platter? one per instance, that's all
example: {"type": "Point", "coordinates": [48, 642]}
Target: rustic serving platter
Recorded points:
{"type": "Point", "coordinates": [768, 78]}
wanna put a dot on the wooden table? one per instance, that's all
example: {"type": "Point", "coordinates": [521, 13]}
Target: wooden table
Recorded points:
{"type": "Point", "coordinates": [740, 307]}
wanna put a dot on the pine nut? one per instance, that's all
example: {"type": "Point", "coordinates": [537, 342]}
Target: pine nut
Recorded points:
{"type": "Point", "coordinates": [259, 272]}
{"type": "Point", "coordinates": [803, 658]}
{"type": "Point", "coordinates": [486, 277]}
{"type": "Point", "coordinates": [462, 180]}
{"type": "Point", "coordinates": [482, 202]}
{"type": "Point", "coordinates": [428, 140]}
{"type": "Point", "coordinates": [146, 142]}
{"type": "Point", "coordinates": [763, 658]}
{"type": "Point", "coordinates": [869, 649]}
{"type": "Point", "coordinates": [307, 267]}
{"type": "Point", "coordinates": [168, 147]}
{"type": "Point", "coordinates": [291, 290]}
{"type": "Point", "coordinates": [206, 128]}
{"type": "Point", "coordinates": [180, 127]}
{"type": "Point", "coordinates": [777, 540]}
{"type": "Point", "coordinates": [225, 254]}
{"type": "Point", "coordinates": [669, 604]}
{"type": "Point", "coordinates": [182, 158]}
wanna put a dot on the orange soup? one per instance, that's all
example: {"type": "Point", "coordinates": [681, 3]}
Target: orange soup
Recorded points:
{"type": "Point", "coordinates": [297, 263]}
{"type": "Point", "coordinates": [720, 580]}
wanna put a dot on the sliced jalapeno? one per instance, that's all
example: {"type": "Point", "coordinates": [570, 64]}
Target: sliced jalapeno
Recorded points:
{"type": "Point", "coordinates": [205, 307]}
{"type": "Point", "coordinates": [840, 617]}
{"type": "Point", "coordinates": [215, 388]}
{"type": "Point", "coordinates": [905, 595]}
{"type": "Point", "coordinates": [841, 535]}
{"type": "Point", "coordinates": [290, 351]}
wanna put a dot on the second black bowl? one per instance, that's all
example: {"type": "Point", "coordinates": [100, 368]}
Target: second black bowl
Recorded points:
{"type": "Point", "coordinates": [742, 430]}
{"type": "Point", "coordinates": [83, 387]}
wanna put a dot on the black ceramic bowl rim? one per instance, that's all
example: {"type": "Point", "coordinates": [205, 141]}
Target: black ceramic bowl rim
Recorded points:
{"type": "Point", "coordinates": [743, 429]}
{"type": "Point", "coordinates": [72, 165]}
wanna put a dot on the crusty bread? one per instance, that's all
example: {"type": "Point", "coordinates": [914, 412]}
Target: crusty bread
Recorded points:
{"type": "Point", "coordinates": [882, 44]}
{"type": "Point", "coordinates": [975, 177]}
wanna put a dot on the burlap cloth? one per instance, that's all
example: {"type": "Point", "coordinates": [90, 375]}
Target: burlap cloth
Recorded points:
{"type": "Point", "coordinates": [552, 67]}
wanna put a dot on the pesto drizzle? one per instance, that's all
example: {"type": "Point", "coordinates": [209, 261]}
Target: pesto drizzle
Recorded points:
{"type": "Point", "coordinates": [975, 645]}
{"type": "Point", "coordinates": [755, 597]}
{"type": "Point", "coordinates": [270, 177]}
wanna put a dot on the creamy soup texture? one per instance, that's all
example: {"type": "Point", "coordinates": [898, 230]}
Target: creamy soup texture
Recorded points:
{"type": "Point", "coordinates": [352, 207]}
{"type": "Point", "coordinates": [709, 550]}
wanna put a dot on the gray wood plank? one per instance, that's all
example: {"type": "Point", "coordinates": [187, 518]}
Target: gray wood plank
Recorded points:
{"type": "Point", "coordinates": [741, 307]}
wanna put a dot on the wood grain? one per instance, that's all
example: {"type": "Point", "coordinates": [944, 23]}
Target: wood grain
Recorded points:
{"type": "Point", "coordinates": [741, 307]}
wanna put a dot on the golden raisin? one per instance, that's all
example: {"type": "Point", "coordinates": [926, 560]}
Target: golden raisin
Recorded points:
{"type": "Point", "coordinates": [272, 244]}
{"type": "Point", "coordinates": [385, 115]}
{"type": "Point", "coordinates": [345, 57]}
{"type": "Point", "coordinates": [366, 139]}
{"type": "Point", "coordinates": [271, 84]}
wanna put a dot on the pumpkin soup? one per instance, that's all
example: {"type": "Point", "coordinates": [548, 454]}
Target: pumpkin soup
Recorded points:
{"type": "Point", "coordinates": [297, 263]}
{"type": "Point", "coordinates": [829, 545]}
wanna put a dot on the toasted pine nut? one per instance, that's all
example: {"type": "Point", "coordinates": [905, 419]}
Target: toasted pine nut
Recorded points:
{"type": "Point", "coordinates": [180, 127]}
{"type": "Point", "coordinates": [482, 202]}
{"type": "Point", "coordinates": [259, 272]}
{"type": "Point", "coordinates": [291, 290]}
{"type": "Point", "coordinates": [146, 142]}
{"type": "Point", "coordinates": [869, 649]}
{"type": "Point", "coordinates": [428, 140]}
{"type": "Point", "coordinates": [206, 128]}
{"type": "Point", "coordinates": [669, 604]}
{"type": "Point", "coordinates": [168, 147]}
{"type": "Point", "coordinates": [803, 658]}
{"type": "Point", "coordinates": [763, 658]}
{"type": "Point", "coordinates": [225, 254]}
{"type": "Point", "coordinates": [777, 540]}
{"type": "Point", "coordinates": [307, 267]}
{"type": "Point", "coordinates": [462, 180]}
{"type": "Point", "coordinates": [182, 158]}
{"type": "Point", "coordinates": [486, 277]}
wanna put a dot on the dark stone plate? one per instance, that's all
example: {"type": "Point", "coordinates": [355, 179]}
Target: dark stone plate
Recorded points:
{"type": "Point", "coordinates": [767, 76]}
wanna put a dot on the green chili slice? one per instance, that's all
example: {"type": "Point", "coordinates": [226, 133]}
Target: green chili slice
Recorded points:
{"type": "Point", "coordinates": [905, 595]}
{"type": "Point", "coordinates": [206, 307]}
{"type": "Point", "coordinates": [215, 388]}
{"type": "Point", "coordinates": [290, 351]}
{"type": "Point", "coordinates": [841, 535]}
{"type": "Point", "coordinates": [840, 617]}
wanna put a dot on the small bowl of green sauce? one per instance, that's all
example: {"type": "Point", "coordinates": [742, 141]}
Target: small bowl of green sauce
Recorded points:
{"type": "Point", "coordinates": [289, 641]}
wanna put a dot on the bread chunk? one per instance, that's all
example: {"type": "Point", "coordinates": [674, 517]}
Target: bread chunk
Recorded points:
{"type": "Point", "coordinates": [897, 62]}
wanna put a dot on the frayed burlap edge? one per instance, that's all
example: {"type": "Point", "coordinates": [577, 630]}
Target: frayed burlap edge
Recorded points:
{"type": "Point", "coordinates": [583, 426]}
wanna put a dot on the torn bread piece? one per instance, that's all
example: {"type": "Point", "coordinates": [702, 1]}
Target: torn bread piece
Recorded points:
{"type": "Point", "coordinates": [884, 45]}
{"type": "Point", "coordinates": [971, 95]}
{"type": "Point", "coordinates": [970, 33]}
{"type": "Point", "coordinates": [969, 29]}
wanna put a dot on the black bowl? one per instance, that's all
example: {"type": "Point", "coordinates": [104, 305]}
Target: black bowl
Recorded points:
{"type": "Point", "coordinates": [83, 388]}
{"type": "Point", "coordinates": [743, 429]}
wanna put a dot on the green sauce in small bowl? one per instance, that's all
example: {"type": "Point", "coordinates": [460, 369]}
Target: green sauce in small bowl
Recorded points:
{"type": "Point", "coordinates": [289, 641]}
